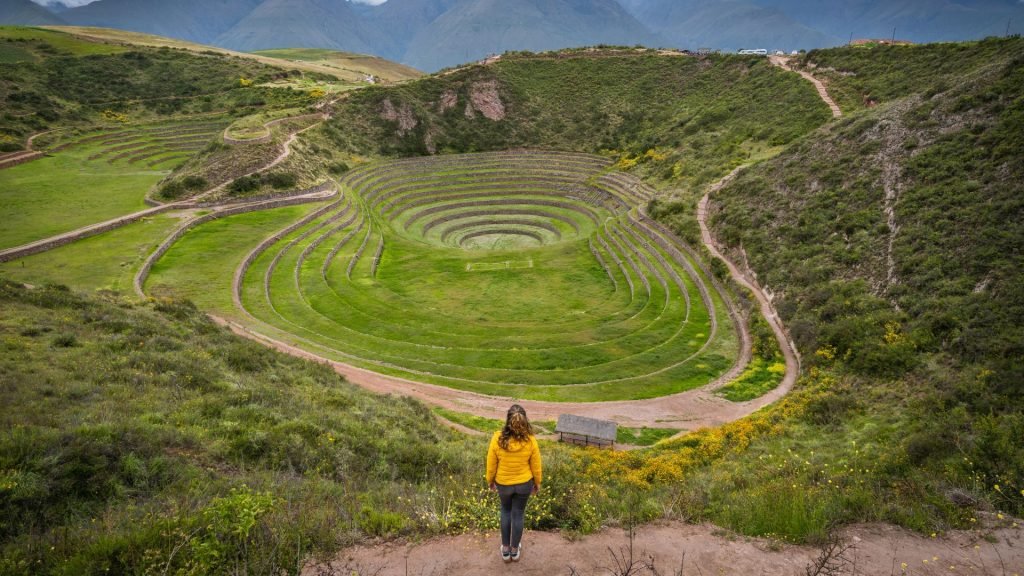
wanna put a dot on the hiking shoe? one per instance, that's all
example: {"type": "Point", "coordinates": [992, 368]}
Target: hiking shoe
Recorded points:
{"type": "Point", "coordinates": [506, 554]}
{"type": "Point", "coordinates": [517, 552]}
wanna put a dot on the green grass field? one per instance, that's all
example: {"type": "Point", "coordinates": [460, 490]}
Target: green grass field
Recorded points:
{"type": "Point", "coordinates": [58, 40]}
{"type": "Point", "coordinates": [94, 177]}
{"type": "Point", "coordinates": [107, 261]}
{"type": "Point", "coordinates": [344, 64]}
{"type": "Point", "coordinates": [64, 192]}
{"type": "Point", "coordinates": [254, 125]}
{"type": "Point", "coordinates": [199, 266]}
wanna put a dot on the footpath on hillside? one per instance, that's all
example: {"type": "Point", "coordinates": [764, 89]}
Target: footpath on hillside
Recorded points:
{"type": "Point", "coordinates": [783, 62]}
{"type": "Point", "coordinates": [674, 548]}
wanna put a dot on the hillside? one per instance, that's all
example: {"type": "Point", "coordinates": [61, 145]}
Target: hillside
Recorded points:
{"type": "Point", "coordinates": [892, 243]}
{"type": "Point", "coordinates": [915, 20]}
{"type": "Point", "coordinates": [139, 436]}
{"type": "Point", "coordinates": [175, 428]}
{"type": "Point", "coordinates": [194, 20]}
{"type": "Point", "coordinates": [56, 79]}
{"type": "Point", "coordinates": [637, 106]}
{"type": "Point", "coordinates": [398, 21]}
{"type": "Point", "coordinates": [345, 66]}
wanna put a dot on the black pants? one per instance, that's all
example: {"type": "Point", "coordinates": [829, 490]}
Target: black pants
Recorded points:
{"type": "Point", "coordinates": [513, 505]}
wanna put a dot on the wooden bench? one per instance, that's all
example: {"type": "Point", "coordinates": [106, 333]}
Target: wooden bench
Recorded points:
{"type": "Point", "coordinates": [586, 431]}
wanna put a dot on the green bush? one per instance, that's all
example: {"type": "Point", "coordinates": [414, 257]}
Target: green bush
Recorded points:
{"type": "Point", "coordinates": [171, 190]}
{"type": "Point", "coordinates": [338, 168]}
{"type": "Point", "coordinates": [280, 180]}
{"type": "Point", "coordinates": [245, 184]}
{"type": "Point", "coordinates": [193, 183]}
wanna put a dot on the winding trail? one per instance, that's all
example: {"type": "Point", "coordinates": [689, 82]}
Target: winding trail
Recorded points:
{"type": "Point", "coordinates": [783, 62]}
{"type": "Point", "coordinates": [285, 153]}
{"type": "Point", "coordinates": [12, 159]}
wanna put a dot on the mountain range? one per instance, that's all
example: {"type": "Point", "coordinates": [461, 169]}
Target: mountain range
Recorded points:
{"type": "Point", "coordinates": [432, 34]}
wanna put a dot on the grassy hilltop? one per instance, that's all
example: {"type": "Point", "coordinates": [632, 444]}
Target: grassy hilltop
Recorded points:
{"type": "Point", "coordinates": [139, 437]}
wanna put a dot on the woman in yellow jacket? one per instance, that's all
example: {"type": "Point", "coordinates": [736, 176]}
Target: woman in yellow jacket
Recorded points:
{"type": "Point", "coordinates": [514, 471]}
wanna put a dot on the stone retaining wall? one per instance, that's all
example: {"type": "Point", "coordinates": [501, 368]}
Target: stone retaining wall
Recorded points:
{"type": "Point", "coordinates": [243, 268]}
{"type": "Point", "coordinates": [21, 252]}
{"type": "Point", "coordinates": [15, 161]}
{"type": "Point", "coordinates": [322, 187]}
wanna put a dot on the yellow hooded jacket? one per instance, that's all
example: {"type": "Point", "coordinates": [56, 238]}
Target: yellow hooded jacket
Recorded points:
{"type": "Point", "coordinates": [518, 464]}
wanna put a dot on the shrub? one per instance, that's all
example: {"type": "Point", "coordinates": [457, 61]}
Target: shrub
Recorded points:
{"type": "Point", "coordinates": [194, 182]}
{"type": "Point", "coordinates": [171, 190]}
{"type": "Point", "coordinates": [379, 522]}
{"type": "Point", "coordinates": [245, 184]}
{"type": "Point", "coordinates": [64, 341]}
{"type": "Point", "coordinates": [281, 180]}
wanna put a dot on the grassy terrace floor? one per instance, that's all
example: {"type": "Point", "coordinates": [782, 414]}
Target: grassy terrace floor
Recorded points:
{"type": "Point", "coordinates": [93, 177]}
{"type": "Point", "coordinates": [495, 273]}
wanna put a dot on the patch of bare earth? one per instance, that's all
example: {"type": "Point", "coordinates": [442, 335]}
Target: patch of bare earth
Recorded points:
{"type": "Point", "coordinates": [676, 548]}
{"type": "Point", "coordinates": [485, 99]}
{"type": "Point", "coordinates": [403, 115]}
{"type": "Point", "coordinates": [448, 101]}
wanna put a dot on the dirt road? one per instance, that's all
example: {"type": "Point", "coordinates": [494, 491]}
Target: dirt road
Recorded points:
{"type": "Point", "coordinates": [695, 550]}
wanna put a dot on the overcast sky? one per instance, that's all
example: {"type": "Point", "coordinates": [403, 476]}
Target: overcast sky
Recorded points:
{"type": "Point", "coordinates": [84, 2]}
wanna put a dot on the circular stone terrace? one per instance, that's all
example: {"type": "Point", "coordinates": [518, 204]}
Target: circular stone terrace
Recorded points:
{"type": "Point", "coordinates": [473, 279]}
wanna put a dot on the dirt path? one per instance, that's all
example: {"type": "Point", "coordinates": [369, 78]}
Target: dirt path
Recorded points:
{"type": "Point", "coordinates": [692, 550]}
{"type": "Point", "coordinates": [789, 350]}
{"type": "Point", "coordinates": [783, 62]}
{"type": "Point", "coordinates": [27, 155]}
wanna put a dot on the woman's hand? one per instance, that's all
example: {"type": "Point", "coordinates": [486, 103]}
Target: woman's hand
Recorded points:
{"type": "Point", "coordinates": [535, 489]}
{"type": "Point", "coordinates": [493, 487]}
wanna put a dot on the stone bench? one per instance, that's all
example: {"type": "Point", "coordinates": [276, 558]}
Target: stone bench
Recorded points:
{"type": "Point", "coordinates": [586, 431]}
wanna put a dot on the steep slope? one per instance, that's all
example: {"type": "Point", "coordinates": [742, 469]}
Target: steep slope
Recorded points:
{"type": "Point", "coordinates": [345, 66]}
{"type": "Point", "coordinates": [727, 25]}
{"type": "Point", "coordinates": [471, 29]}
{"type": "Point", "coordinates": [194, 20]}
{"type": "Point", "coordinates": [893, 242]}
{"type": "Point", "coordinates": [299, 24]}
{"type": "Point", "coordinates": [27, 13]}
